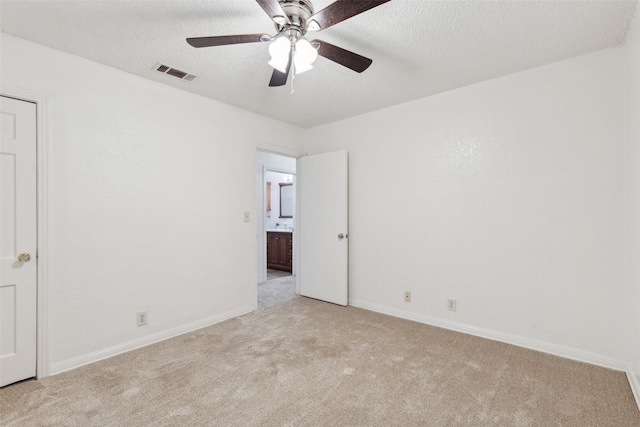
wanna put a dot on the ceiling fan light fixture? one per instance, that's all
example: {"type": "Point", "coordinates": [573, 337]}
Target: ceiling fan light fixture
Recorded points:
{"type": "Point", "coordinates": [279, 50]}
{"type": "Point", "coordinates": [290, 52]}
{"type": "Point", "coordinates": [280, 65]}
{"type": "Point", "coordinates": [312, 25]}
{"type": "Point", "coordinates": [305, 54]}
{"type": "Point", "coordinates": [301, 67]}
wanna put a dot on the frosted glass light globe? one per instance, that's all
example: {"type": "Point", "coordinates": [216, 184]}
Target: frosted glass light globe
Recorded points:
{"type": "Point", "coordinates": [279, 51]}
{"type": "Point", "coordinates": [305, 55]}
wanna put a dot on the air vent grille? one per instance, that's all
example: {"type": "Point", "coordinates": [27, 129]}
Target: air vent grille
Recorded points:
{"type": "Point", "coordinates": [165, 69]}
{"type": "Point", "coordinates": [176, 73]}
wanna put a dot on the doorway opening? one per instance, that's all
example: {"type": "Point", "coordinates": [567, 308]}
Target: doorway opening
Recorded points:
{"type": "Point", "coordinates": [276, 225]}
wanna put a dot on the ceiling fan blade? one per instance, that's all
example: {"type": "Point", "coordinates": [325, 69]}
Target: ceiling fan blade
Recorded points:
{"type": "Point", "coordinates": [357, 63]}
{"type": "Point", "coordinates": [273, 9]}
{"type": "Point", "coordinates": [224, 40]}
{"type": "Point", "coordinates": [278, 78]}
{"type": "Point", "coordinates": [339, 11]}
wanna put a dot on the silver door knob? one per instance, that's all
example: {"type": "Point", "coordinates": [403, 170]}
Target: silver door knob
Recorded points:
{"type": "Point", "coordinates": [340, 236]}
{"type": "Point", "coordinates": [24, 257]}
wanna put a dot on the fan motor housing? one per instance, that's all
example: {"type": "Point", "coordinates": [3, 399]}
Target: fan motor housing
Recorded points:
{"type": "Point", "coordinates": [298, 11]}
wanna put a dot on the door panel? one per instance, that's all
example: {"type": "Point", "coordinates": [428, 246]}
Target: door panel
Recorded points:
{"type": "Point", "coordinates": [283, 253]}
{"type": "Point", "coordinates": [323, 217]}
{"type": "Point", "coordinates": [17, 236]}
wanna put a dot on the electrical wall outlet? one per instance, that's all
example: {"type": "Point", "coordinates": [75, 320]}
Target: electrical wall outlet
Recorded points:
{"type": "Point", "coordinates": [142, 318]}
{"type": "Point", "coordinates": [407, 296]}
{"type": "Point", "coordinates": [452, 304]}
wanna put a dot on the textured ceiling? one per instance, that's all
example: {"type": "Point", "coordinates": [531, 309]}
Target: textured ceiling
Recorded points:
{"type": "Point", "coordinates": [418, 47]}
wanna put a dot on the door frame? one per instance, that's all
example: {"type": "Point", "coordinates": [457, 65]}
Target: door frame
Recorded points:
{"type": "Point", "coordinates": [282, 151]}
{"type": "Point", "coordinates": [43, 156]}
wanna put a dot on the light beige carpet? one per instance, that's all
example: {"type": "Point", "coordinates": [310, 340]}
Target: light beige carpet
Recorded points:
{"type": "Point", "coordinates": [276, 291]}
{"type": "Point", "coordinates": [308, 363]}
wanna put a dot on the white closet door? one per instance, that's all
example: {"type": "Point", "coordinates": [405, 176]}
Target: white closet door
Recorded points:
{"type": "Point", "coordinates": [17, 240]}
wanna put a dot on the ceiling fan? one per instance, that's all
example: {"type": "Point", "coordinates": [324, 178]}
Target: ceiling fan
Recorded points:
{"type": "Point", "coordinates": [288, 47]}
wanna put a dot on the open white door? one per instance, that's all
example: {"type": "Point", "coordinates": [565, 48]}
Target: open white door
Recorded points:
{"type": "Point", "coordinates": [18, 241]}
{"type": "Point", "coordinates": [323, 216]}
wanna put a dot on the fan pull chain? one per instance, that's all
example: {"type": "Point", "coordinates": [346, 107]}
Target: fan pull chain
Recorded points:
{"type": "Point", "coordinates": [293, 69]}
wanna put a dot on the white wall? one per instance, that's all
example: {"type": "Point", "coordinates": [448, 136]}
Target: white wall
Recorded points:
{"type": "Point", "coordinates": [507, 195]}
{"type": "Point", "coordinates": [148, 189]}
{"type": "Point", "coordinates": [632, 137]}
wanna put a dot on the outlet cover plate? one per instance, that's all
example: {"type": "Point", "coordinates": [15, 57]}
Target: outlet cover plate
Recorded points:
{"type": "Point", "coordinates": [142, 318]}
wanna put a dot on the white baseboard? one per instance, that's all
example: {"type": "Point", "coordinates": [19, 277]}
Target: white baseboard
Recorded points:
{"type": "Point", "coordinates": [634, 382]}
{"type": "Point", "coordinates": [533, 344]}
{"type": "Point", "coordinates": [85, 359]}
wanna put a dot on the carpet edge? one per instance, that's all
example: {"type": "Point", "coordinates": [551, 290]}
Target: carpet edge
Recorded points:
{"type": "Point", "coordinates": [85, 359]}
{"type": "Point", "coordinates": [635, 384]}
{"type": "Point", "coordinates": [532, 344]}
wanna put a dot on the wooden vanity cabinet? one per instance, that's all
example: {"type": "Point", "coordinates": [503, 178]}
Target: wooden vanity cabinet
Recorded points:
{"type": "Point", "coordinates": [280, 251]}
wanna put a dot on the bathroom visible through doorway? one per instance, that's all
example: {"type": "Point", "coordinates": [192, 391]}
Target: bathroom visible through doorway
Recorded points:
{"type": "Point", "coordinates": [275, 227]}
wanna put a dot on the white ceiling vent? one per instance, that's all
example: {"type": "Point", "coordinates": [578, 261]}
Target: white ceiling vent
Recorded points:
{"type": "Point", "coordinates": [165, 69]}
